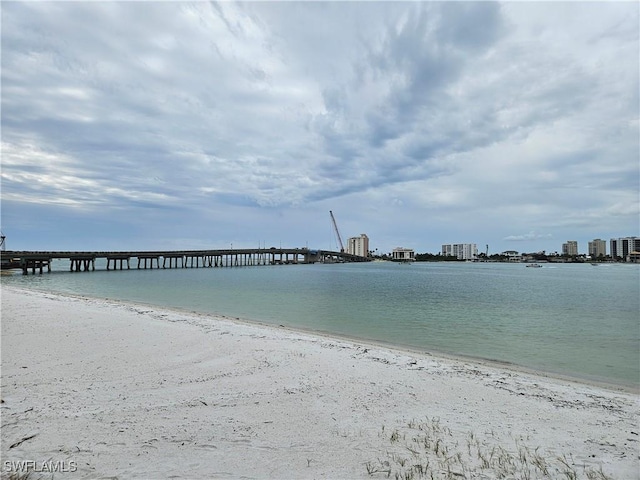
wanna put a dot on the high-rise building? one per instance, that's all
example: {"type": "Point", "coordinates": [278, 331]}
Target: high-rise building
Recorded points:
{"type": "Point", "coordinates": [462, 251]}
{"type": "Point", "coordinates": [622, 247]}
{"type": "Point", "coordinates": [358, 245]}
{"type": "Point", "coordinates": [570, 248]}
{"type": "Point", "coordinates": [597, 248]}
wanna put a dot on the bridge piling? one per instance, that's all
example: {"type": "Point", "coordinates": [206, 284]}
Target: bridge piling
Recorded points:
{"type": "Point", "coordinates": [118, 260]}
{"type": "Point", "coordinates": [150, 258]}
{"type": "Point", "coordinates": [173, 260]}
{"type": "Point", "coordinates": [35, 264]}
{"type": "Point", "coordinates": [82, 263]}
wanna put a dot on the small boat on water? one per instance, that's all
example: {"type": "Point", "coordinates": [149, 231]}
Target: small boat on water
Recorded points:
{"type": "Point", "coordinates": [534, 265]}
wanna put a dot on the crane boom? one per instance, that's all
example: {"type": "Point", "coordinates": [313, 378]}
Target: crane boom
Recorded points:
{"type": "Point", "coordinates": [335, 226]}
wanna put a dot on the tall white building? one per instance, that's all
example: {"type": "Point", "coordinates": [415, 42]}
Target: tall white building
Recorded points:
{"type": "Point", "coordinates": [622, 247]}
{"type": "Point", "coordinates": [597, 248]}
{"type": "Point", "coordinates": [570, 248]}
{"type": "Point", "coordinates": [462, 251]}
{"type": "Point", "coordinates": [358, 245]}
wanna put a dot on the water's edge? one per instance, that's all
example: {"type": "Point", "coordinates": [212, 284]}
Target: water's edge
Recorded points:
{"type": "Point", "coordinates": [332, 336]}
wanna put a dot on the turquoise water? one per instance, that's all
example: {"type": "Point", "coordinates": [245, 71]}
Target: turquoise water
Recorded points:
{"type": "Point", "coordinates": [576, 320]}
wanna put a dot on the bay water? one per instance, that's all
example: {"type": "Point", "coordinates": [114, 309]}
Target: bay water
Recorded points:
{"type": "Point", "coordinates": [576, 320]}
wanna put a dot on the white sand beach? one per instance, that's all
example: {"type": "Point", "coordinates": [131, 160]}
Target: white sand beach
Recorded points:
{"type": "Point", "coordinates": [101, 389]}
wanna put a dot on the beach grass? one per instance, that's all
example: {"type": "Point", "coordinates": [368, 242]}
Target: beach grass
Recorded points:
{"type": "Point", "coordinates": [28, 475]}
{"type": "Point", "coordinates": [427, 450]}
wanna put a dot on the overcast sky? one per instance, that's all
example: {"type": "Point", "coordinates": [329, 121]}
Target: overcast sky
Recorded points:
{"type": "Point", "coordinates": [170, 125]}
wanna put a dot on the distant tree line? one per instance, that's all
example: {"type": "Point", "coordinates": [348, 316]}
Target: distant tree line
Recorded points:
{"type": "Point", "coordinates": [501, 257]}
{"type": "Point", "coordinates": [437, 257]}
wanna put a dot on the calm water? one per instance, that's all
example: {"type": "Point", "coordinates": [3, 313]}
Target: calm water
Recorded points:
{"type": "Point", "coordinates": [577, 320]}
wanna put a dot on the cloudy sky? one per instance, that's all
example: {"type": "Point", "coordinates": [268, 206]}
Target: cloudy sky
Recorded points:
{"type": "Point", "coordinates": [171, 125]}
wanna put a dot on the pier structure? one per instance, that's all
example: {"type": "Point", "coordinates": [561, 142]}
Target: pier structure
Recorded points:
{"type": "Point", "coordinates": [173, 260]}
{"type": "Point", "coordinates": [86, 261]}
{"type": "Point", "coordinates": [34, 264]}
{"type": "Point", "coordinates": [118, 260]}
{"type": "Point", "coordinates": [81, 262]}
{"type": "Point", "coordinates": [150, 257]}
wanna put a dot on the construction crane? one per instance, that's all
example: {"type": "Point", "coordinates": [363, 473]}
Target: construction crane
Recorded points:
{"type": "Point", "coordinates": [335, 227]}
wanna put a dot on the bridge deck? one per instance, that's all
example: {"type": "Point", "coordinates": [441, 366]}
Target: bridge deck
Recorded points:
{"type": "Point", "coordinates": [85, 260]}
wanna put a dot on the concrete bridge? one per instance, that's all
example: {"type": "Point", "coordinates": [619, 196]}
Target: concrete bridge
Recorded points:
{"type": "Point", "coordinates": [38, 261]}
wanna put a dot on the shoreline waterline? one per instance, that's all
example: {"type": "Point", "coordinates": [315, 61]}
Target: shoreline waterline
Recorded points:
{"type": "Point", "coordinates": [134, 390]}
{"type": "Point", "coordinates": [568, 320]}
{"type": "Point", "coordinates": [332, 336]}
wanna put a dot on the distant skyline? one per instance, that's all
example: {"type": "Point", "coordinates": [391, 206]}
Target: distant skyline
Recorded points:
{"type": "Point", "coordinates": [174, 125]}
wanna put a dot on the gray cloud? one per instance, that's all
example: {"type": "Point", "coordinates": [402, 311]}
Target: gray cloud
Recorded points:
{"type": "Point", "coordinates": [499, 117]}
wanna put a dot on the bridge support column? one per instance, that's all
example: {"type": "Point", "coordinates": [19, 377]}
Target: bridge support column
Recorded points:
{"type": "Point", "coordinates": [82, 264]}
{"type": "Point", "coordinates": [118, 262]}
{"type": "Point", "coordinates": [173, 261]}
{"type": "Point", "coordinates": [192, 259]}
{"type": "Point", "coordinates": [151, 259]}
{"type": "Point", "coordinates": [35, 264]}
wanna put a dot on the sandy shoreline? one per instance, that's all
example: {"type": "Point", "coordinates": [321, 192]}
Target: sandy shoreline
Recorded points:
{"type": "Point", "coordinates": [131, 391]}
